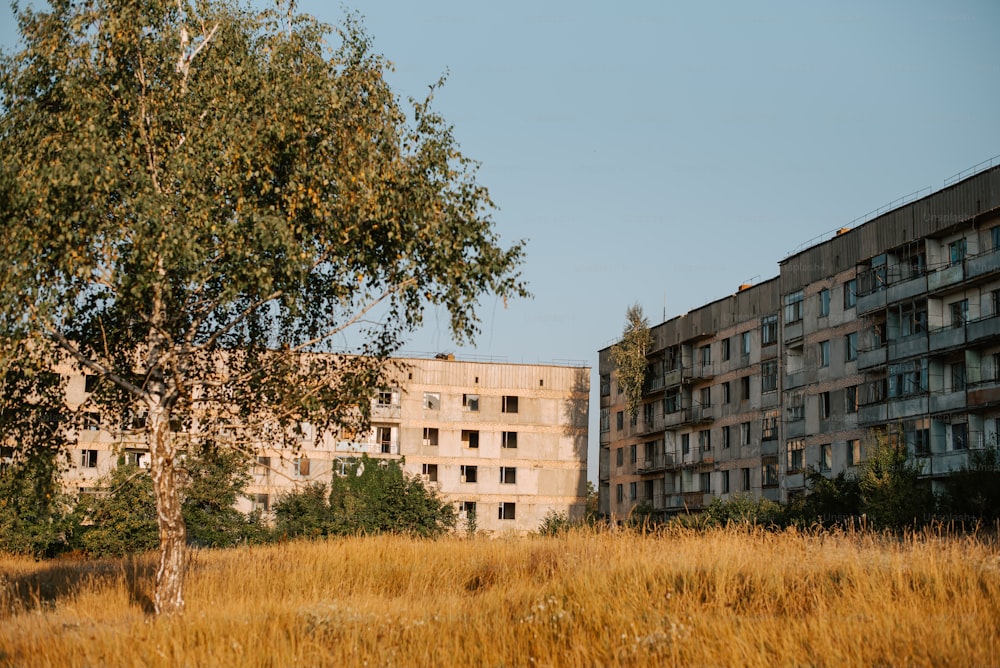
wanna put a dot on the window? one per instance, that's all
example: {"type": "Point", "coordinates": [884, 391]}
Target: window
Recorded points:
{"type": "Point", "coordinates": [705, 355]}
{"type": "Point", "coordinates": [825, 457]}
{"type": "Point", "coordinates": [824, 405]}
{"type": "Point", "coordinates": [302, 466]}
{"type": "Point", "coordinates": [796, 410]}
{"type": "Point", "coordinates": [959, 436]}
{"type": "Point", "coordinates": [851, 293]}
{"type": "Point", "coordinates": [956, 252]}
{"type": "Point", "coordinates": [996, 298]}
{"type": "Point", "coordinates": [744, 433]}
{"type": "Point", "coordinates": [619, 456]}
{"type": "Point", "coordinates": [671, 401]}
{"type": "Point", "coordinates": [769, 376]}
{"type": "Point", "coordinates": [958, 377]}
{"type": "Point", "coordinates": [619, 493]}
{"type": "Point", "coordinates": [469, 508]}
{"type": "Point", "coordinates": [851, 347]}
{"type": "Point", "coordinates": [793, 307]}
{"type": "Point", "coordinates": [725, 393]}
{"type": "Point", "coordinates": [705, 482]}
{"type": "Point", "coordinates": [685, 443]}
{"type": "Point", "coordinates": [769, 471]}
{"type": "Point", "coordinates": [851, 399]}
{"type": "Point", "coordinates": [726, 437]}
{"type": "Point", "coordinates": [907, 378]}
{"type": "Point", "coordinates": [263, 465]}
{"type": "Point", "coordinates": [432, 401]}
{"type": "Point", "coordinates": [470, 402]}
{"type": "Point", "coordinates": [470, 473]}
{"type": "Point", "coordinates": [633, 455]}
{"type": "Point", "coordinates": [383, 436]}
{"type": "Point", "coordinates": [506, 511]}
{"type": "Point", "coordinates": [824, 302]}
{"type": "Point", "coordinates": [725, 350]}
{"type": "Point", "coordinates": [995, 235]}
{"type": "Point", "coordinates": [509, 404]}
{"type": "Point", "coordinates": [508, 475]}
{"type": "Point", "coordinates": [796, 455]}
{"type": "Point", "coordinates": [824, 353]}
{"type": "Point", "coordinates": [724, 481]}
{"type": "Point", "coordinates": [631, 491]}
{"type": "Point", "coordinates": [90, 382]}
{"type": "Point", "coordinates": [262, 502]}
{"type": "Point", "coordinates": [745, 347]}
{"type": "Point", "coordinates": [384, 398]}
{"type": "Point", "coordinates": [745, 388]}
{"type": "Point", "coordinates": [918, 436]}
{"type": "Point", "coordinates": [768, 330]}
{"type": "Point", "coordinates": [620, 420]}
{"type": "Point", "coordinates": [706, 396]}
{"type": "Point", "coordinates": [705, 440]}
{"type": "Point", "coordinates": [769, 425]}
{"type": "Point", "coordinates": [647, 414]}
{"type": "Point", "coordinates": [853, 452]}
{"type": "Point", "coordinates": [88, 459]}
{"type": "Point", "coordinates": [92, 421]}
{"type": "Point", "coordinates": [508, 439]}
{"type": "Point", "coordinates": [430, 471]}
{"type": "Point", "coordinates": [745, 479]}
{"type": "Point", "coordinates": [959, 312]}
{"type": "Point", "coordinates": [470, 438]}
{"type": "Point", "coordinates": [913, 319]}
{"type": "Point", "coordinates": [605, 385]}
{"type": "Point", "coordinates": [430, 435]}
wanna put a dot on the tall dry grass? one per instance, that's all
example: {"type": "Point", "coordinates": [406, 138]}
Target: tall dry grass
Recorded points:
{"type": "Point", "coordinates": [722, 598]}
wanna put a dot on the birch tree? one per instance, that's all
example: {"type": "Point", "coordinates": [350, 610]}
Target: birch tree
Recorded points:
{"type": "Point", "coordinates": [199, 201]}
{"type": "Point", "coordinates": [629, 356]}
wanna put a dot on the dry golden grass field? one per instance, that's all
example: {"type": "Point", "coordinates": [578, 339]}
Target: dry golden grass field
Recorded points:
{"type": "Point", "coordinates": [678, 598]}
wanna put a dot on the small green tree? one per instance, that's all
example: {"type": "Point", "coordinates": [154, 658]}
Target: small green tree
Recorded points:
{"type": "Point", "coordinates": [892, 495]}
{"type": "Point", "coordinates": [827, 500]}
{"type": "Point", "coordinates": [974, 490]}
{"type": "Point", "coordinates": [380, 498]}
{"type": "Point", "coordinates": [304, 512]}
{"type": "Point", "coordinates": [34, 513]}
{"type": "Point", "coordinates": [629, 355]}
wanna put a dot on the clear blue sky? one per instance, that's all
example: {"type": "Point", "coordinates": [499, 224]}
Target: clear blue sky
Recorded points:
{"type": "Point", "coordinates": [665, 152]}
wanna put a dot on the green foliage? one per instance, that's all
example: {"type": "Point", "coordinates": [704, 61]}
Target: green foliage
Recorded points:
{"type": "Point", "coordinates": [629, 355]}
{"type": "Point", "coordinates": [892, 495]}
{"type": "Point", "coordinates": [377, 497]}
{"type": "Point", "coordinates": [744, 510]}
{"type": "Point", "coordinates": [973, 492]}
{"type": "Point", "coordinates": [34, 514]}
{"type": "Point", "coordinates": [555, 523]}
{"type": "Point", "coordinates": [827, 500]}
{"type": "Point", "coordinates": [120, 517]}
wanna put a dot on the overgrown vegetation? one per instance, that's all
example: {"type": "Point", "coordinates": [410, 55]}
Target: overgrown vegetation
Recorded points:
{"type": "Point", "coordinates": [629, 356]}
{"type": "Point", "coordinates": [723, 597]}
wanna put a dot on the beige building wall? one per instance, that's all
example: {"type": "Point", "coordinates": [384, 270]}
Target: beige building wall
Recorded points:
{"type": "Point", "coordinates": [507, 442]}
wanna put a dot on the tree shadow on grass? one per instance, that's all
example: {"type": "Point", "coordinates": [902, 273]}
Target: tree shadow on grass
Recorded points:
{"type": "Point", "coordinates": [43, 588]}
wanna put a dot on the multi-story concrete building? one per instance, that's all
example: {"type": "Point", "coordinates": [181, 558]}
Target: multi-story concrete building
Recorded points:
{"type": "Point", "coordinates": [505, 442]}
{"type": "Point", "coordinates": [893, 325]}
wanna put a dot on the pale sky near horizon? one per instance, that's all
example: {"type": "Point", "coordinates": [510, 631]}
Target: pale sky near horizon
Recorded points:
{"type": "Point", "coordinates": [666, 152]}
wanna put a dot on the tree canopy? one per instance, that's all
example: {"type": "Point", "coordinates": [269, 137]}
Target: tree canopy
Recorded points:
{"type": "Point", "coordinates": [197, 198]}
{"type": "Point", "coordinates": [629, 356]}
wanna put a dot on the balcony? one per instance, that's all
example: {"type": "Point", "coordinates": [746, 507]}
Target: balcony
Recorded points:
{"type": "Point", "coordinates": [942, 402]}
{"type": "Point", "coordinates": [910, 346]}
{"type": "Point", "coordinates": [872, 414]}
{"type": "Point", "coordinates": [702, 371]}
{"type": "Point", "coordinates": [385, 411]}
{"type": "Point", "coordinates": [906, 407]}
{"type": "Point", "coordinates": [795, 379]}
{"type": "Point", "coordinates": [983, 328]}
{"type": "Point", "coordinates": [983, 264]}
{"type": "Point", "coordinates": [872, 301]}
{"type": "Point", "coordinates": [368, 447]}
{"type": "Point", "coordinates": [947, 337]}
{"type": "Point", "coordinates": [906, 289]}
{"type": "Point", "coordinates": [653, 384]}
{"type": "Point", "coordinates": [674, 377]}
{"type": "Point", "coordinates": [657, 464]}
{"type": "Point", "coordinates": [943, 278]}
{"type": "Point", "coordinates": [792, 331]}
{"type": "Point", "coordinates": [984, 393]}
{"type": "Point", "coordinates": [697, 414]}
{"type": "Point", "coordinates": [795, 428]}
{"type": "Point", "coordinates": [872, 357]}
